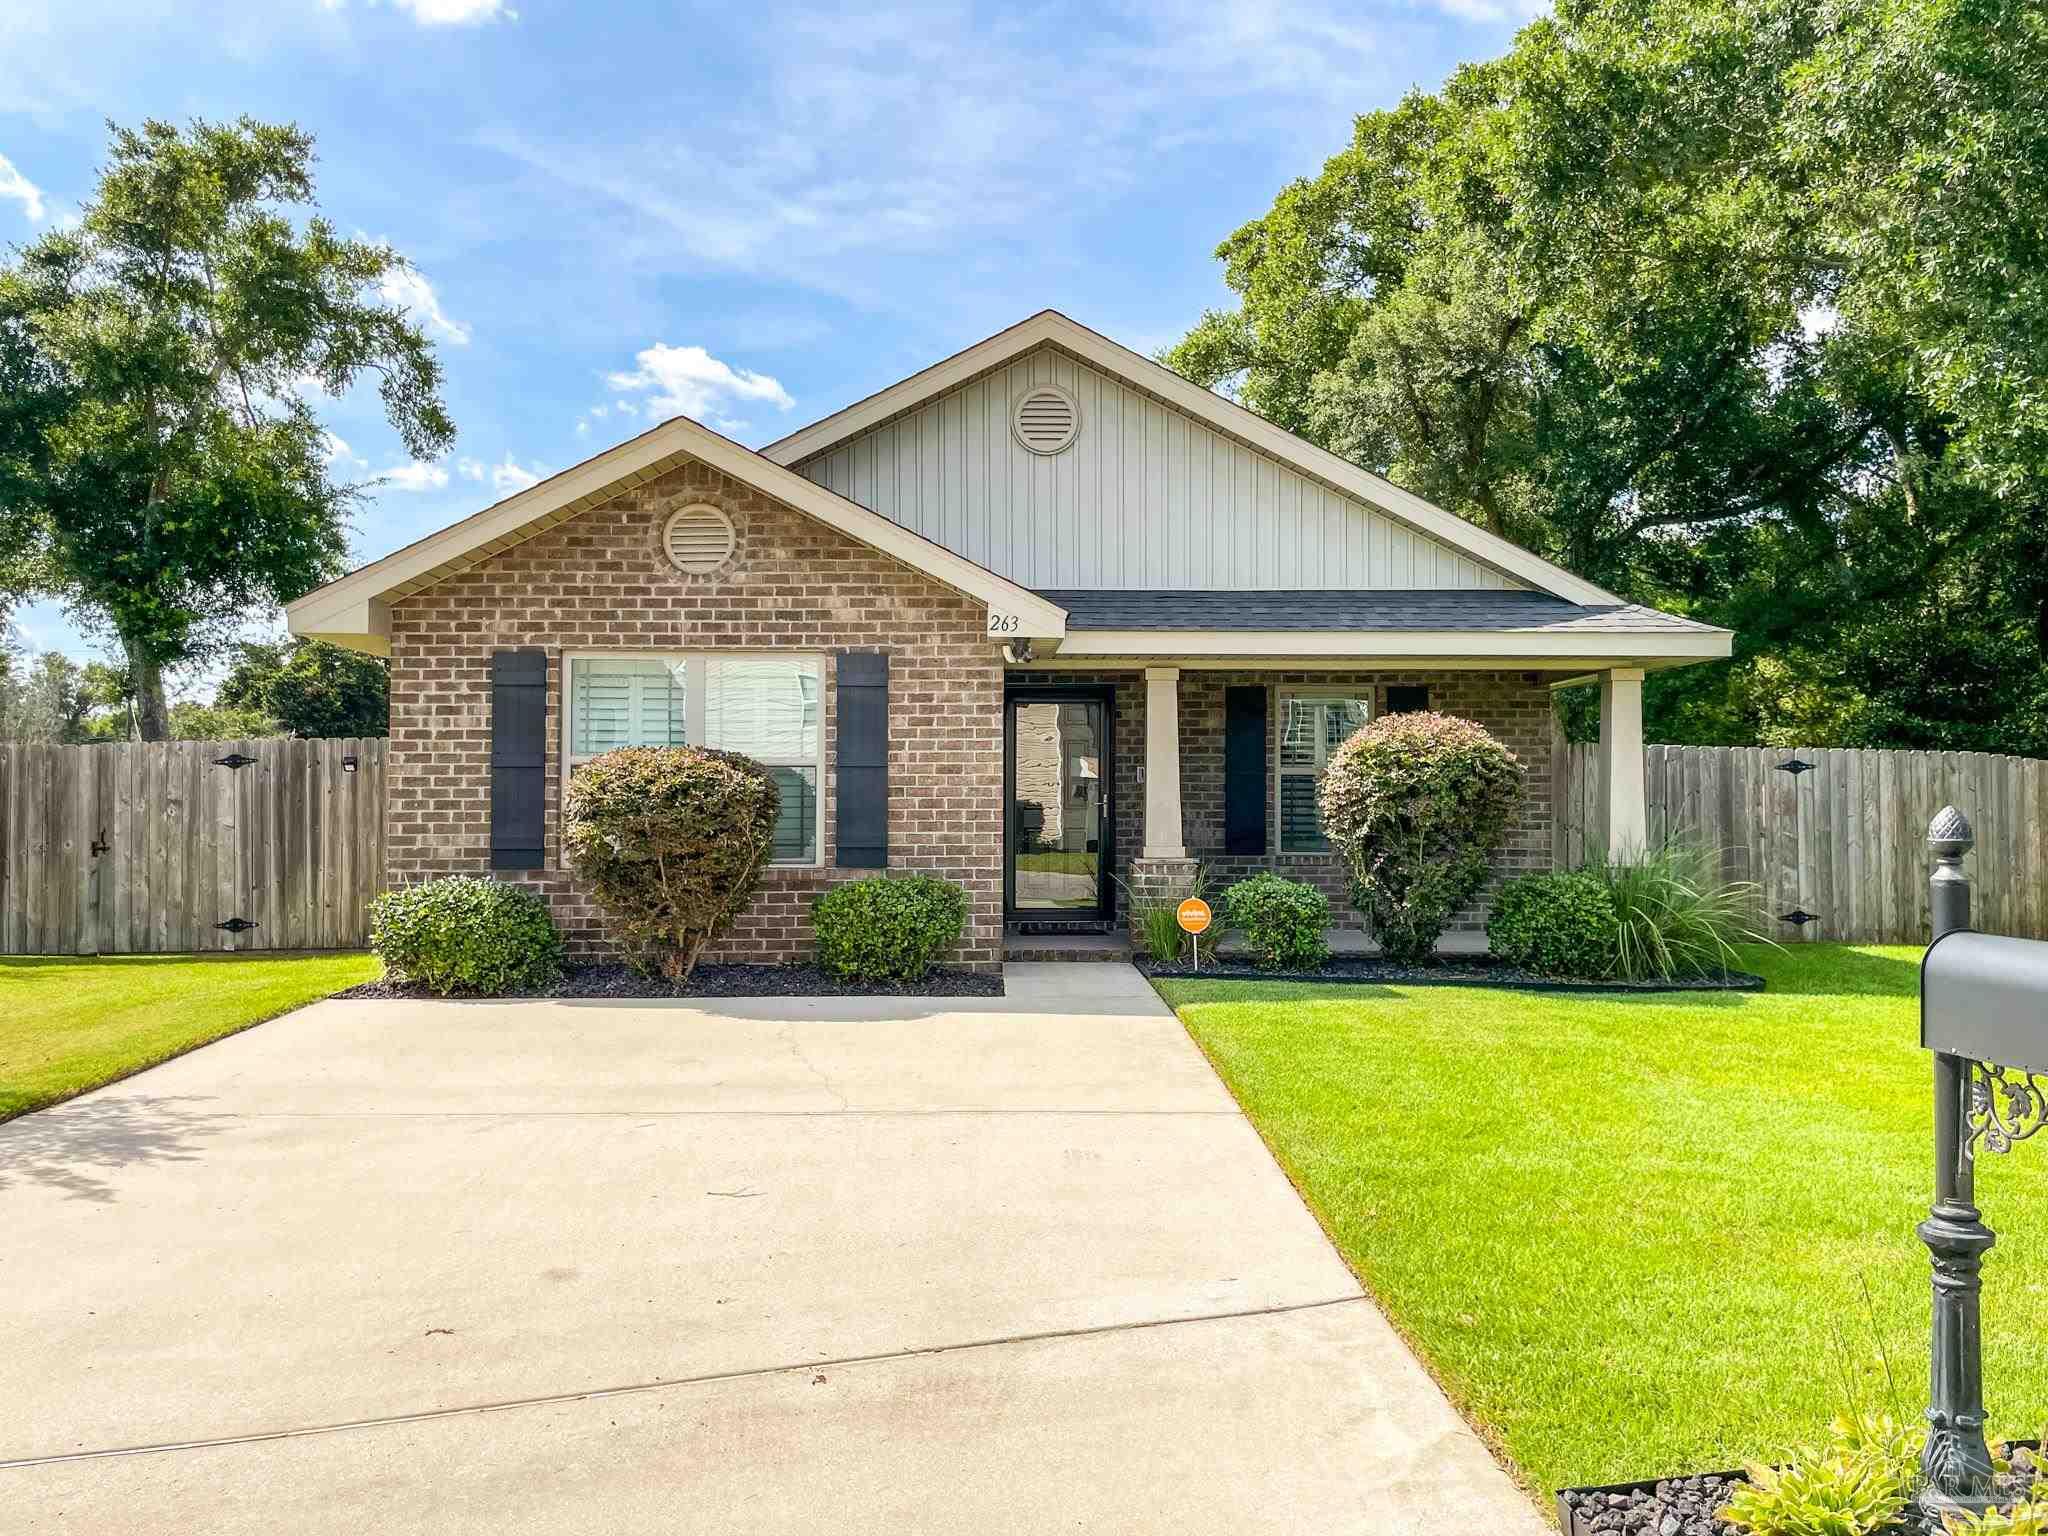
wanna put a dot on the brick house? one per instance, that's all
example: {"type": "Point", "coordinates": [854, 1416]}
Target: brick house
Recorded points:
{"type": "Point", "coordinates": [1045, 619]}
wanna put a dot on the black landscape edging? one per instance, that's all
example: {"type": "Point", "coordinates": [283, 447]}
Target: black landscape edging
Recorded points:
{"type": "Point", "coordinates": [1454, 973]}
{"type": "Point", "coordinates": [1702, 1521]}
{"type": "Point", "coordinates": [625, 984]}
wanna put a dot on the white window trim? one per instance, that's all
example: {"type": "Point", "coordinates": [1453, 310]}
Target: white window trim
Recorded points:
{"type": "Point", "coordinates": [695, 691]}
{"type": "Point", "coordinates": [1285, 698]}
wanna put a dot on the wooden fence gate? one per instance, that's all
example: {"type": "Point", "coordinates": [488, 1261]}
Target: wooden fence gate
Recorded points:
{"type": "Point", "coordinates": [1836, 838]}
{"type": "Point", "coordinates": [164, 847]}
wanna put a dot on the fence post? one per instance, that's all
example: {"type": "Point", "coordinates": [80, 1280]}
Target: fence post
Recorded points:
{"type": "Point", "coordinates": [1955, 1466]}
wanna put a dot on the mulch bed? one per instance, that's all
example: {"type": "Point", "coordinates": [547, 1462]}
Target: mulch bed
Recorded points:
{"type": "Point", "coordinates": [1687, 1506]}
{"type": "Point", "coordinates": [722, 981]}
{"type": "Point", "coordinates": [1452, 971]}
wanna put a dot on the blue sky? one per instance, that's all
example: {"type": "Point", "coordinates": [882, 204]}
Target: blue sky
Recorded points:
{"type": "Point", "coordinates": [753, 214]}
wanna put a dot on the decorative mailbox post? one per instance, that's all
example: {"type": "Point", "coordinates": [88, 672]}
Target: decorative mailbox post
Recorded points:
{"type": "Point", "coordinates": [1984, 1014]}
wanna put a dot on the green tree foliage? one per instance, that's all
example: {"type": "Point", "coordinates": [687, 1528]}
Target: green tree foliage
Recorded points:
{"type": "Point", "coordinates": [159, 467]}
{"type": "Point", "coordinates": [310, 688]}
{"type": "Point", "coordinates": [1739, 307]}
{"type": "Point", "coordinates": [47, 697]}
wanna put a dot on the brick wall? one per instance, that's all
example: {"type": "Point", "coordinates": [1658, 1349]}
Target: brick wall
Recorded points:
{"type": "Point", "coordinates": [1514, 706]}
{"type": "Point", "coordinates": [601, 581]}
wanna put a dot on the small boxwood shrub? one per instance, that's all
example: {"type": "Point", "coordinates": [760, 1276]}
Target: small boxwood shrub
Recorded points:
{"type": "Point", "coordinates": [1418, 804]}
{"type": "Point", "coordinates": [671, 841]}
{"type": "Point", "coordinates": [1282, 920]}
{"type": "Point", "coordinates": [888, 929]}
{"type": "Point", "coordinates": [1555, 925]}
{"type": "Point", "coordinates": [467, 934]}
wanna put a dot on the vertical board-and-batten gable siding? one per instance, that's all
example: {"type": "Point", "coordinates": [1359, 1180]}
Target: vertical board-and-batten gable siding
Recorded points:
{"type": "Point", "coordinates": [1144, 498]}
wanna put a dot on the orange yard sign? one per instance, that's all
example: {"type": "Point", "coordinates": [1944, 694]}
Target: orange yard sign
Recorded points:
{"type": "Point", "coordinates": [1194, 915]}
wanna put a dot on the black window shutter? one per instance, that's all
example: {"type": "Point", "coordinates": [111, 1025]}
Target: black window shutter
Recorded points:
{"type": "Point", "coordinates": [519, 759]}
{"type": "Point", "coordinates": [1407, 699]}
{"type": "Point", "coordinates": [1244, 770]}
{"type": "Point", "coordinates": [862, 808]}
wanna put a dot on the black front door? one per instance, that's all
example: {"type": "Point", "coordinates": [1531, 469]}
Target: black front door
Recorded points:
{"type": "Point", "coordinates": [1058, 815]}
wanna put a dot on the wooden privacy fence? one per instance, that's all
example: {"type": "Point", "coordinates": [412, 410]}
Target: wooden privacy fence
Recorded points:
{"type": "Point", "coordinates": [162, 847]}
{"type": "Point", "coordinates": [1836, 835]}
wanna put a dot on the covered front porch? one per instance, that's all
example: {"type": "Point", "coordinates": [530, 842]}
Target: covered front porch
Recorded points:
{"type": "Point", "coordinates": [1127, 784]}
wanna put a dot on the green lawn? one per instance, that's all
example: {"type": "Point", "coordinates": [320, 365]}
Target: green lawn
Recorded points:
{"type": "Point", "coordinates": [1059, 861]}
{"type": "Point", "coordinates": [67, 1025]}
{"type": "Point", "coordinates": [1632, 1235]}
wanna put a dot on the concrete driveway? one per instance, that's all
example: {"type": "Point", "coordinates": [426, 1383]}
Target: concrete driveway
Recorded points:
{"type": "Point", "coordinates": [769, 1266]}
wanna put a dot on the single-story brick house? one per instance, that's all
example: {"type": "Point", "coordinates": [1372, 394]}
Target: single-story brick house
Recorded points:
{"type": "Point", "coordinates": [1046, 619]}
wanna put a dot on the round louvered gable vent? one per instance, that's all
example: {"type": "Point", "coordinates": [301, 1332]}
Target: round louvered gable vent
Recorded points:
{"type": "Point", "coordinates": [698, 539]}
{"type": "Point", "coordinates": [1046, 419]}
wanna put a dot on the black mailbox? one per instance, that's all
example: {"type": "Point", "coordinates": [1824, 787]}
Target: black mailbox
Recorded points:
{"type": "Point", "coordinates": [1985, 997]}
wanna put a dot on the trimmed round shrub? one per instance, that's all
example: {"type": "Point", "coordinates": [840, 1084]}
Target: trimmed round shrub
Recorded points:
{"type": "Point", "coordinates": [886, 929]}
{"type": "Point", "coordinates": [1418, 804]}
{"type": "Point", "coordinates": [1282, 920]}
{"type": "Point", "coordinates": [1555, 925]}
{"type": "Point", "coordinates": [467, 934]}
{"type": "Point", "coordinates": [671, 842]}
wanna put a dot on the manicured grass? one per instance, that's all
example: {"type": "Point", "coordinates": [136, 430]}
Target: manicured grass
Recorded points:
{"type": "Point", "coordinates": [1059, 861]}
{"type": "Point", "coordinates": [1632, 1235]}
{"type": "Point", "coordinates": [67, 1025]}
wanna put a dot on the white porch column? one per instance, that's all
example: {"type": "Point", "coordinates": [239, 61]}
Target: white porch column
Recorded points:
{"type": "Point", "coordinates": [1162, 764]}
{"type": "Point", "coordinates": [1621, 761]}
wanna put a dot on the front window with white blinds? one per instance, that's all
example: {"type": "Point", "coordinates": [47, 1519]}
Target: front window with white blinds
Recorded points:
{"type": "Point", "coordinates": [1311, 728]}
{"type": "Point", "coordinates": [765, 706]}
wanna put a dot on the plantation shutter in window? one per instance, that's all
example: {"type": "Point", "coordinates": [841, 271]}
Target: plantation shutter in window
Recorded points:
{"type": "Point", "coordinates": [1244, 770]}
{"type": "Point", "coordinates": [519, 721]}
{"type": "Point", "coordinates": [626, 702]}
{"type": "Point", "coordinates": [862, 811]}
{"type": "Point", "coordinates": [1310, 729]}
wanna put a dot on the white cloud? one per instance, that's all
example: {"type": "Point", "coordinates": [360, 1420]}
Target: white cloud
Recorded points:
{"type": "Point", "coordinates": [339, 452]}
{"type": "Point", "coordinates": [413, 293]}
{"type": "Point", "coordinates": [415, 476]}
{"type": "Point", "coordinates": [510, 477]}
{"type": "Point", "coordinates": [924, 129]}
{"type": "Point", "coordinates": [442, 13]}
{"type": "Point", "coordinates": [455, 13]}
{"type": "Point", "coordinates": [18, 187]}
{"type": "Point", "coordinates": [688, 381]}
{"type": "Point", "coordinates": [470, 469]}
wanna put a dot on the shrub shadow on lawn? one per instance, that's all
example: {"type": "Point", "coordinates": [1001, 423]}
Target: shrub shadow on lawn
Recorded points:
{"type": "Point", "coordinates": [67, 1146]}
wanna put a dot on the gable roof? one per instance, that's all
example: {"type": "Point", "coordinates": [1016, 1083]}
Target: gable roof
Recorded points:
{"type": "Point", "coordinates": [354, 610]}
{"type": "Point", "coordinates": [1051, 328]}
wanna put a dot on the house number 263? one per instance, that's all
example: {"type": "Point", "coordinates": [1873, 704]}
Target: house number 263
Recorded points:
{"type": "Point", "coordinates": [1004, 623]}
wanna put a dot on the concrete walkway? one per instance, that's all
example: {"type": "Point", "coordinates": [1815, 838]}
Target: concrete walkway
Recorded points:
{"type": "Point", "coordinates": [770, 1266]}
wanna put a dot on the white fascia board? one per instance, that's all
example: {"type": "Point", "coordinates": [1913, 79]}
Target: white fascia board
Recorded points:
{"type": "Point", "coordinates": [1049, 326]}
{"type": "Point", "coordinates": [337, 606]}
{"type": "Point", "coordinates": [1514, 647]}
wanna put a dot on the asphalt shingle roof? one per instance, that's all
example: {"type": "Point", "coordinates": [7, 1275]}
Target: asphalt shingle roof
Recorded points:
{"type": "Point", "coordinates": [1459, 609]}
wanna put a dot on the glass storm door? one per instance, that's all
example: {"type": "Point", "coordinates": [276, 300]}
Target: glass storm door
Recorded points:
{"type": "Point", "coordinates": [1057, 830]}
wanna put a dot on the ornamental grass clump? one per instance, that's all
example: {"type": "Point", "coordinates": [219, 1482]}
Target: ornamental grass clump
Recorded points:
{"type": "Point", "coordinates": [1675, 916]}
{"type": "Point", "coordinates": [1418, 804]}
{"type": "Point", "coordinates": [671, 842]}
